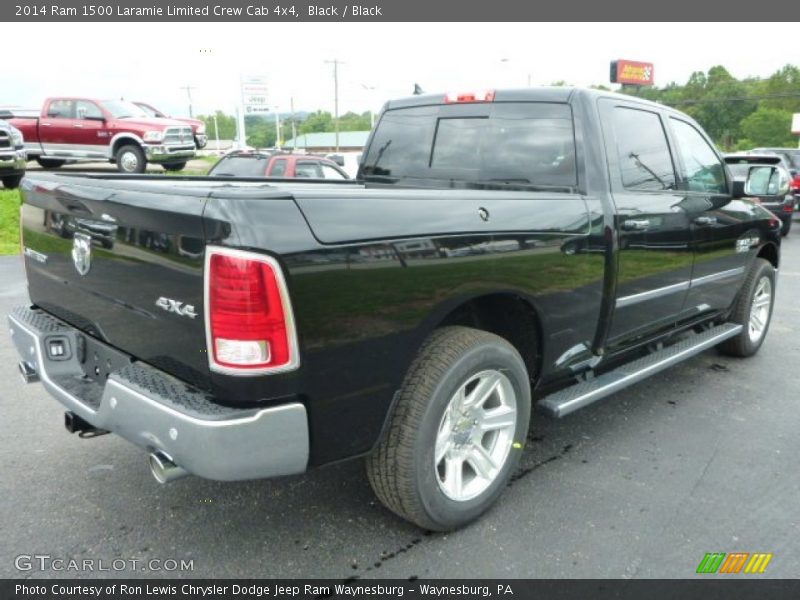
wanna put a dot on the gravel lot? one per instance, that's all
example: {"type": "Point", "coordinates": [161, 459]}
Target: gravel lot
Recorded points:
{"type": "Point", "coordinates": [701, 458]}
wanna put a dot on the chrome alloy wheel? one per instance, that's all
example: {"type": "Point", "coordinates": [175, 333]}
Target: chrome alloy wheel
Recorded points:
{"type": "Point", "coordinates": [129, 162]}
{"type": "Point", "coordinates": [759, 310]}
{"type": "Point", "coordinates": [475, 435]}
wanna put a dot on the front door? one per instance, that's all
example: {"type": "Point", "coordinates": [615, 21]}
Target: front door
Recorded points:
{"type": "Point", "coordinates": [655, 254]}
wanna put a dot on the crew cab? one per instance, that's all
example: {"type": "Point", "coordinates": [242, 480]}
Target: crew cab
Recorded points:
{"type": "Point", "coordinates": [69, 129]}
{"type": "Point", "coordinates": [198, 126]}
{"type": "Point", "coordinates": [276, 164]}
{"type": "Point", "coordinates": [500, 252]}
{"type": "Point", "coordinates": [12, 155]}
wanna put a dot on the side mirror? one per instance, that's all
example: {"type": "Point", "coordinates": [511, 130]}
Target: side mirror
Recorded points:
{"type": "Point", "coordinates": [766, 181]}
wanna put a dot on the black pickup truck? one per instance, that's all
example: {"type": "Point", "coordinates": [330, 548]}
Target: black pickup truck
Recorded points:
{"type": "Point", "coordinates": [538, 248]}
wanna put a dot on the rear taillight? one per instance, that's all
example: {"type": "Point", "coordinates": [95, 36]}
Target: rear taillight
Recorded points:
{"type": "Point", "coordinates": [249, 322]}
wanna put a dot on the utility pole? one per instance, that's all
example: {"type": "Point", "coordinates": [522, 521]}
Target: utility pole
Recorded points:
{"type": "Point", "coordinates": [335, 62]}
{"type": "Point", "coordinates": [189, 89]}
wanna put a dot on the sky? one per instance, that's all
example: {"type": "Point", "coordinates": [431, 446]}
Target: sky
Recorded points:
{"type": "Point", "coordinates": [153, 61]}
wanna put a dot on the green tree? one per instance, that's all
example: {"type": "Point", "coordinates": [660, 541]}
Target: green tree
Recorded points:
{"type": "Point", "coordinates": [767, 127]}
{"type": "Point", "coordinates": [226, 124]}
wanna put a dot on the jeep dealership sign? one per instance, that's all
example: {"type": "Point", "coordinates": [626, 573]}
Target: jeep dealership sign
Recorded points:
{"type": "Point", "coordinates": [631, 72]}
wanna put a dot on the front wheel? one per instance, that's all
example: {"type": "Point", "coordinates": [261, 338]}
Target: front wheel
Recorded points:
{"type": "Point", "coordinates": [11, 182]}
{"type": "Point", "coordinates": [456, 432]}
{"type": "Point", "coordinates": [130, 159]}
{"type": "Point", "coordinates": [753, 310]}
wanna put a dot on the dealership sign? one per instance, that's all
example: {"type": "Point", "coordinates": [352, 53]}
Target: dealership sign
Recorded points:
{"type": "Point", "coordinates": [631, 72]}
{"type": "Point", "coordinates": [254, 92]}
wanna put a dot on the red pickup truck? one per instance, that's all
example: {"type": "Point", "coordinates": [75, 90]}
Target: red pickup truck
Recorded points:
{"type": "Point", "coordinates": [69, 129]}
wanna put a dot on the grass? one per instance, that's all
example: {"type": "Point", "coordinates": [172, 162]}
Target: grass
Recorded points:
{"type": "Point", "coordinates": [9, 221]}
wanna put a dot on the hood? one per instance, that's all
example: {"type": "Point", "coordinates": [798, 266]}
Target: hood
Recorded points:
{"type": "Point", "coordinates": [147, 123]}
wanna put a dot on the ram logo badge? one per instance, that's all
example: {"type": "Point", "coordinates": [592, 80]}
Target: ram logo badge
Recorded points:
{"type": "Point", "coordinates": [170, 305]}
{"type": "Point", "coordinates": [82, 253]}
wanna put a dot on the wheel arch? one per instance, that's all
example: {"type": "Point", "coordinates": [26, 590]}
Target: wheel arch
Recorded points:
{"type": "Point", "coordinates": [770, 253]}
{"type": "Point", "coordinates": [122, 139]}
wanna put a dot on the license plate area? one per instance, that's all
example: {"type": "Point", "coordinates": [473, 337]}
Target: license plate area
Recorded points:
{"type": "Point", "coordinates": [97, 359]}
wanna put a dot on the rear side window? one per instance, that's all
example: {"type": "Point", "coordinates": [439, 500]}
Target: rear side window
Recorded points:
{"type": "Point", "coordinates": [644, 159]}
{"type": "Point", "coordinates": [240, 166]}
{"type": "Point", "coordinates": [278, 168]}
{"type": "Point", "coordinates": [521, 143]}
{"type": "Point", "coordinates": [307, 169]}
{"type": "Point", "coordinates": [703, 169]}
{"type": "Point", "coordinates": [61, 109]}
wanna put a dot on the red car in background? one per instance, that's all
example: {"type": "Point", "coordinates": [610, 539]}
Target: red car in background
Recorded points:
{"type": "Point", "coordinates": [198, 126]}
{"type": "Point", "coordinates": [270, 164]}
{"type": "Point", "coordinates": [70, 128]}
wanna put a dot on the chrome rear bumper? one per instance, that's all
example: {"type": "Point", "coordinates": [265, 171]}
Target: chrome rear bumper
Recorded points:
{"type": "Point", "coordinates": [161, 413]}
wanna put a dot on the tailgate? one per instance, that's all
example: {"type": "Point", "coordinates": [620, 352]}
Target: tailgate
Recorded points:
{"type": "Point", "coordinates": [122, 260]}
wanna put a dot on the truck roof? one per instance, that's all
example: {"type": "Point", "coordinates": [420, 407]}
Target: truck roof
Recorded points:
{"type": "Point", "coordinates": [532, 94]}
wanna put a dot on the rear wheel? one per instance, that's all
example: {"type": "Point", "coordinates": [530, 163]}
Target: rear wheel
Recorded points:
{"type": "Point", "coordinates": [753, 310]}
{"type": "Point", "coordinates": [456, 432]}
{"type": "Point", "coordinates": [130, 159]}
{"type": "Point", "coordinates": [11, 181]}
{"type": "Point", "coordinates": [50, 163]}
{"type": "Point", "coordinates": [175, 166]}
{"type": "Point", "coordinates": [787, 227]}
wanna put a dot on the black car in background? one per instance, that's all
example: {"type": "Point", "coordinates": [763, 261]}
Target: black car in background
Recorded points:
{"type": "Point", "coordinates": [775, 192]}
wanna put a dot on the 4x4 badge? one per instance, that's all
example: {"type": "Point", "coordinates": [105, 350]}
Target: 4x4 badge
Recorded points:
{"type": "Point", "coordinates": [82, 252]}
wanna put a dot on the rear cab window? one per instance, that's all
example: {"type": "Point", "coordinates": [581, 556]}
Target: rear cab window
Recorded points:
{"type": "Point", "coordinates": [503, 143]}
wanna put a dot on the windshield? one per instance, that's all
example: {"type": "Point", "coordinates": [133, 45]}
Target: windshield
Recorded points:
{"type": "Point", "coordinates": [150, 112]}
{"type": "Point", "coordinates": [254, 165]}
{"type": "Point", "coordinates": [121, 109]}
{"type": "Point", "coordinates": [519, 143]}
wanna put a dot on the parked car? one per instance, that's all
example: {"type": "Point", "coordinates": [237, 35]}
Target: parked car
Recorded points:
{"type": "Point", "coordinates": [777, 195]}
{"type": "Point", "coordinates": [12, 155]}
{"type": "Point", "coordinates": [276, 164]}
{"type": "Point", "coordinates": [69, 129]}
{"type": "Point", "coordinates": [320, 320]}
{"type": "Point", "coordinates": [198, 126]}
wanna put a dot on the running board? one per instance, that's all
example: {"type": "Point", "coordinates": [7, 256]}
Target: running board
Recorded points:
{"type": "Point", "coordinates": [577, 396]}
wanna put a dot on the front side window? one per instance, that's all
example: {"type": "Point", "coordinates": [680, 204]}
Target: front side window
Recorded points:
{"type": "Point", "coordinates": [644, 159]}
{"type": "Point", "coordinates": [88, 110]}
{"type": "Point", "coordinates": [307, 169]}
{"type": "Point", "coordinates": [703, 170]}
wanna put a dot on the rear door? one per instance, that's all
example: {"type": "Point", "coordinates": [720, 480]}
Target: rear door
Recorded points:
{"type": "Point", "coordinates": [655, 254]}
{"type": "Point", "coordinates": [56, 127]}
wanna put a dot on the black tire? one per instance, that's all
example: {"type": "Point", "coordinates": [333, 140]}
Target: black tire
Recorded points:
{"type": "Point", "coordinates": [746, 344]}
{"type": "Point", "coordinates": [402, 470]}
{"type": "Point", "coordinates": [130, 159]}
{"type": "Point", "coordinates": [786, 227]}
{"type": "Point", "coordinates": [176, 166]}
{"type": "Point", "coordinates": [50, 163]}
{"type": "Point", "coordinates": [11, 182]}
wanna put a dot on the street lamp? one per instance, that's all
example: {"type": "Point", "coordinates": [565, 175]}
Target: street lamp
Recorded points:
{"type": "Point", "coordinates": [335, 62]}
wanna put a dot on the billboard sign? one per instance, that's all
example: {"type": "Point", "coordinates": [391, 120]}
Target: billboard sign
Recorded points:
{"type": "Point", "coordinates": [631, 72]}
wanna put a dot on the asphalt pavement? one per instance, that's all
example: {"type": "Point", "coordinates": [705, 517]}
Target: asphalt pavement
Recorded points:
{"type": "Point", "coordinates": [701, 458]}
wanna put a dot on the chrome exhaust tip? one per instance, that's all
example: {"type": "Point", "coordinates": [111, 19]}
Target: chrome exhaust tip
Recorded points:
{"type": "Point", "coordinates": [163, 469]}
{"type": "Point", "coordinates": [29, 374]}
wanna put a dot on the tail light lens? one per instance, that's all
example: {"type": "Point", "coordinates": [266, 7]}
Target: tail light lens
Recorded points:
{"type": "Point", "coordinates": [249, 323]}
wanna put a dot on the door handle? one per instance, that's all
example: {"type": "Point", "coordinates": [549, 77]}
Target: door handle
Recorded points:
{"type": "Point", "coordinates": [78, 125]}
{"type": "Point", "coordinates": [635, 224]}
{"type": "Point", "coordinates": [705, 220]}
{"type": "Point", "coordinates": [46, 124]}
